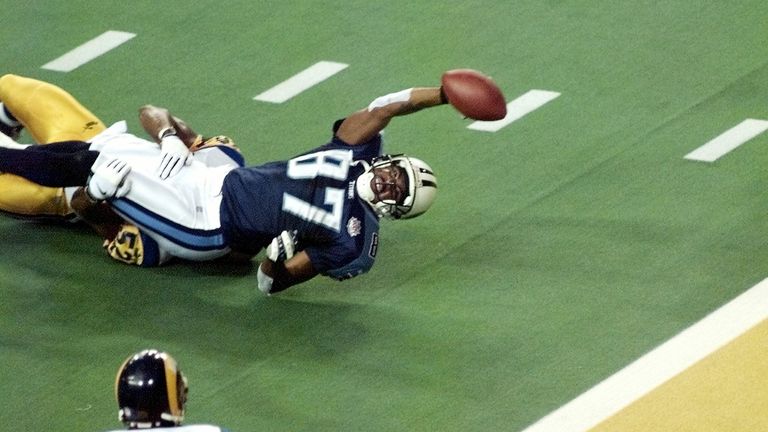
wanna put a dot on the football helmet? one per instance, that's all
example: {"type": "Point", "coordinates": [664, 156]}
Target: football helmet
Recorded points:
{"type": "Point", "coordinates": [151, 391]}
{"type": "Point", "coordinates": [421, 184]}
{"type": "Point", "coordinates": [218, 140]}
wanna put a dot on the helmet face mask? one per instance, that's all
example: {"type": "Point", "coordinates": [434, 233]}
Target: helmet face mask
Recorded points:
{"type": "Point", "coordinates": [151, 391]}
{"type": "Point", "coordinates": [420, 184]}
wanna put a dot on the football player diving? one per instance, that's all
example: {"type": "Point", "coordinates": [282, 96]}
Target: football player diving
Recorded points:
{"type": "Point", "coordinates": [151, 392]}
{"type": "Point", "coordinates": [50, 114]}
{"type": "Point", "coordinates": [317, 213]}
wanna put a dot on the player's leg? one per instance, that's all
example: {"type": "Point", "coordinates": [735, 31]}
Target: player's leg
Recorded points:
{"type": "Point", "coordinates": [54, 165]}
{"type": "Point", "coordinates": [21, 197]}
{"type": "Point", "coordinates": [49, 113]}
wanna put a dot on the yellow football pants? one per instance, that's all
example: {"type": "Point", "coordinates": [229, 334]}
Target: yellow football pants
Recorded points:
{"type": "Point", "coordinates": [49, 114]}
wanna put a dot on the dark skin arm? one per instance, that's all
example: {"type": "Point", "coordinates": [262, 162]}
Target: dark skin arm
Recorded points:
{"type": "Point", "coordinates": [154, 119]}
{"type": "Point", "coordinates": [96, 214]}
{"type": "Point", "coordinates": [357, 128]}
{"type": "Point", "coordinates": [290, 272]}
{"type": "Point", "coordinates": [363, 125]}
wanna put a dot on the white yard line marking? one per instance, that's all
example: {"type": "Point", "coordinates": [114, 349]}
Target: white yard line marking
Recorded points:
{"type": "Point", "coordinates": [728, 140]}
{"type": "Point", "coordinates": [303, 80]}
{"type": "Point", "coordinates": [88, 51]}
{"type": "Point", "coordinates": [530, 101]}
{"type": "Point", "coordinates": [658, 366]}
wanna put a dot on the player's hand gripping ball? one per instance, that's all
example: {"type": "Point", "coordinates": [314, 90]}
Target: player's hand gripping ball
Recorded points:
{"type": "Point", "coordinates": [474, 94]}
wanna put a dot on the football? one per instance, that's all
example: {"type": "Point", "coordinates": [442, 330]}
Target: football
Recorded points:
{"type": "Point", "coordinates": [474, 94]}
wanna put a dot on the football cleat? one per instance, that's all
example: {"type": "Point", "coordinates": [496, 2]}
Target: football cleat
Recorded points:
{"type": "Point", "coordinates": [8, 123]}
{"type": "Point", "coordinates": [11, 132]}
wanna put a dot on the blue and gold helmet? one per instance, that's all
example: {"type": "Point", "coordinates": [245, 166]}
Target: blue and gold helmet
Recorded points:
{"type": "Point", "coordinates": [151, 391]}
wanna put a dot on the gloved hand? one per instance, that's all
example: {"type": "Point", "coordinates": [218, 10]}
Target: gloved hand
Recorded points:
{"type": "Point", "coordinates": [264, 281]}
{"type": "Point", "coordinates": [108, 181]}
{"type": "Point", "coordinates": [283, 247]}
{"type": "Point", "coordinates": [174, 156]}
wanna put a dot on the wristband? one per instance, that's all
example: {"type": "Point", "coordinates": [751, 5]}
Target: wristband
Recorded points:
{"type": "Point", "coordinates": [165, 132]}
{"type": "Point", "coordinates": [90, 197]}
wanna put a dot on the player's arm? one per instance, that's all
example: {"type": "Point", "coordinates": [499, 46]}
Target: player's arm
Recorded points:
{"type": "Point", "coordinates": [361, 126]}
{"type": "Point", "coordinates": [156, 119]}
{"type": "Point", "coordinates": [174, 143]}
{"type": "Point", "coordinates": [97, 214]}
{"type": "Point", "coordinates": [285, 266]}
{"type": "Point", "coordinates": [122, 240]}
{"type": "Point", "coordinates": [278, 276]}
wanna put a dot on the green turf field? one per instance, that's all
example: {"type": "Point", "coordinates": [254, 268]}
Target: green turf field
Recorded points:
{"type": "Point", "coordinates": [561, 247]}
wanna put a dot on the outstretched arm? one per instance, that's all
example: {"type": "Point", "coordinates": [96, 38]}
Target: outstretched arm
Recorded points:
{"type": "Point", "coordinates": [363, 125]}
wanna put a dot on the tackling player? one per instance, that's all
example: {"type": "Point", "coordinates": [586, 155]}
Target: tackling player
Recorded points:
{"type": "Point", "coordinates": [317, 213]}
{"type": "Point", "coordinates": [51, 114]}
{"type": "Point", "coordinates": [151, 392]}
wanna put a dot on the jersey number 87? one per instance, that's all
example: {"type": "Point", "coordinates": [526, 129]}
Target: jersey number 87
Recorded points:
{"type": "Point", "coordinates": [332, 164]}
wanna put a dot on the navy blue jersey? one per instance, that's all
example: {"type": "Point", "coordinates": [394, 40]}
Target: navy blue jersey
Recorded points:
{"type": "Point", "coordinates": [314, 194]}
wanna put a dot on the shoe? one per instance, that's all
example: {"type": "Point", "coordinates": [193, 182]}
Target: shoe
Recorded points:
{"type": "Point", "coordinates": [11, 132]}
{"type": "Point", "coordinates": [7, 142]}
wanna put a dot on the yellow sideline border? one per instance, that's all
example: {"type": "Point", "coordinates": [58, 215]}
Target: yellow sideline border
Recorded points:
{"type": "Point", "coordinates": [689, 351]}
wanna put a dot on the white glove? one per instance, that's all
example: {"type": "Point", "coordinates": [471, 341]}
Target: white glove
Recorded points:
{"type": "Point", "coordinates": [174, 156]}
{"type": "Point", "coordinates": [108, 181]}
{"type": "Point", "coordinates": [283, 247]}
{"type": "Point", "coordinates": [264, 282]}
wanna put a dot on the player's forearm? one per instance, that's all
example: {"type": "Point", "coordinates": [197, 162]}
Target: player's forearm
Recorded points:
{"type": "Point", "coordinates": [279, 276]}
{"type": "Point", "coordinates": [423, 97]}
{"type": "Point", "coordinates": [273, 277]}
{"type": "Point", "coordinates": [96, 214]}
{"type": "Point", "coordinates": [366, 123]}
{"type": "Point", "coordinates": [406, 101]}
{"type": "Point", "coordinates": [155, 120]}
{"type": "Point", "coordinates": [184, 132]}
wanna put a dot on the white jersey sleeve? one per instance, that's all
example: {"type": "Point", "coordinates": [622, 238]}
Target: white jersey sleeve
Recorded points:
{"type": "Point", "coordinates": [175, 217]}
{"type": "Point", "coordinates": [216, 156]}
{"type": "Point", "coordinates": [218, 151]}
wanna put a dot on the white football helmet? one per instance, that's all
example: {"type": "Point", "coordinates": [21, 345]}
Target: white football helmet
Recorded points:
{"type": "Point", "coordinates": [422, 187]}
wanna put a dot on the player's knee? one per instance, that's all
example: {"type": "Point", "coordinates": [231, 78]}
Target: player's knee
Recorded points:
{"type": "Point", "coordinates": [82, 163]}
{"type": "Point", "coordinates": [7, 82]}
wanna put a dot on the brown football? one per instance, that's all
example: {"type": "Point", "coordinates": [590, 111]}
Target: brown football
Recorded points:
{"type": "Point", "coordinates": [474, 94]}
